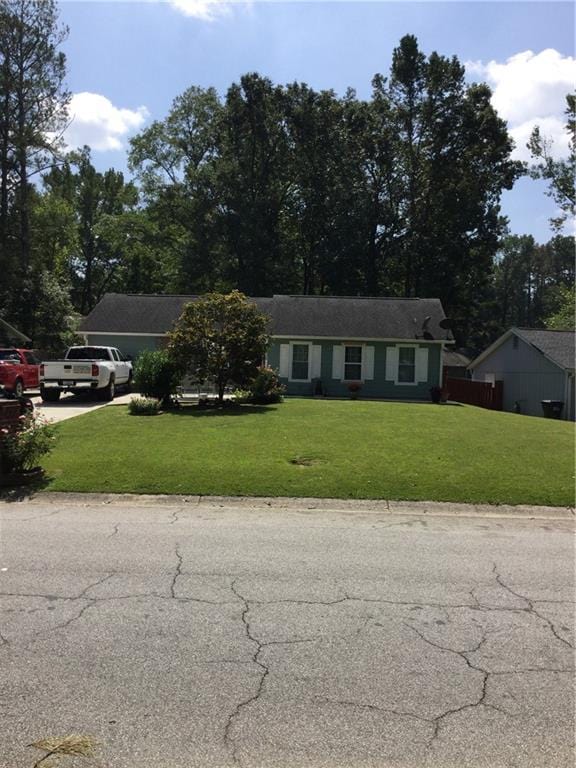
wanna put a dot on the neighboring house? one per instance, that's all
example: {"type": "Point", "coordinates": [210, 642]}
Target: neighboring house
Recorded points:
{"type": "Point", "coordinates": [10, 337]}
{"type": "Point", "coordinates": [393, 347]}
{"type": "Point", "coordinates": [534, 365]}
{"type": "Point", "coordinates": [455, 364]}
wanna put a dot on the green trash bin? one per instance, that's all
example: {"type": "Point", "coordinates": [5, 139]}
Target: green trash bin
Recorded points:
{"type": "Point", "coordinates": [552, 408]}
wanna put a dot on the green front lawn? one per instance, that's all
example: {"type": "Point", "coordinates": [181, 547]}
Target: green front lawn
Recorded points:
{"type": "Point", "coordinates": [322, 448]}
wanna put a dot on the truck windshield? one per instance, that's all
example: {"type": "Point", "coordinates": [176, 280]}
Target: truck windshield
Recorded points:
{"type": "Point", "coordinates": [88, 353]}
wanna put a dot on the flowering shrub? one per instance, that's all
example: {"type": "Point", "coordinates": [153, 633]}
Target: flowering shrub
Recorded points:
{"type": "Point", "coordinates": [21, 449]}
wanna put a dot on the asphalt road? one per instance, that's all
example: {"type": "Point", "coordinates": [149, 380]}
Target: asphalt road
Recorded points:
{"type": "Point", "coordinates": [205, 636]}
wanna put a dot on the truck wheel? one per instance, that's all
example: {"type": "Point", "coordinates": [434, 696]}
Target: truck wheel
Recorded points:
{"type": "Point", "coordinates": [18, 390]}
{"type": "Point", "coordinates": [49, 395]}
{"type": "Point", "coordinates": [128, 386]}
{"type": "Point", "coordinates": [109, 390]}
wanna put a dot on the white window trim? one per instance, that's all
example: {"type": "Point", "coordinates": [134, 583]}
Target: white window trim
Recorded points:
{"type": "Point", "coordinates": [361, 363]}
{"type": "Point", "coordinates": [406, 383]}
{"type": "Point", "coordinates": [300, 344]}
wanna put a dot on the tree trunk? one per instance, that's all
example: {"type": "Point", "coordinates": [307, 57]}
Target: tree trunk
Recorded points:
{"type": "Point", "coordinates": [221, 388]}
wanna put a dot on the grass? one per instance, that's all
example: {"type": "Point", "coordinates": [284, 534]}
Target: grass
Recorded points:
{"type": "Point", "coordinates": [321, 448]}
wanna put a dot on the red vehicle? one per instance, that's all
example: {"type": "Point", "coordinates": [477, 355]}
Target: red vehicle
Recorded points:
{"type": "Point", "coordinates": [19, 370]}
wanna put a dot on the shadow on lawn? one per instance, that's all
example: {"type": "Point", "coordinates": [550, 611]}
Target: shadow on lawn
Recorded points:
{"type": "Point", "coordinates": [227, 410]}
{"type": "Point", "coordinates": [18, 493]}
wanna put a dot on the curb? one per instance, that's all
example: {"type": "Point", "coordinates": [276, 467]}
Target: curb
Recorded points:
{"type": "Point", "coordinates": [380, 506]}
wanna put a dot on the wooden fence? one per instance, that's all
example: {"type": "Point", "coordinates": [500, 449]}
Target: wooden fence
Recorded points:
{"type": "Point", "coordinates": [480, 393]}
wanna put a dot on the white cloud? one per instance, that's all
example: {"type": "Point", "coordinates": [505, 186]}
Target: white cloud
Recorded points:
{"type": "Point", "coordinates": [552, 128]}
{"type": "Point", "coordinates": [530, 89]}
{"type": "Point", "coordinates": [206, 10]}
{"type": "Point", "coordinates": [98, 123]}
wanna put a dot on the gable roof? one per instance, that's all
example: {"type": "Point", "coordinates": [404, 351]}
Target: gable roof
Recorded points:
{"type": "Point", "coordinates": [297, 316]}
{"type": "Point", "coordinates": [557, 346]}
{"type": "Point", "coordinates": [453, 359]}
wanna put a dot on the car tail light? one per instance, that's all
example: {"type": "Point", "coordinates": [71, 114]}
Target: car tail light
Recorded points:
{"type": "Point", "coordinates": [94, 369]}
{"type": "Point", "coordinates": [41, 369]}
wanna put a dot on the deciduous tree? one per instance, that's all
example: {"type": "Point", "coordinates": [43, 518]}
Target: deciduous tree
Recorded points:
{"type": "Point", "coordinates": [221, 339]}
{"type": "Point", "coordinates": [560, 173]}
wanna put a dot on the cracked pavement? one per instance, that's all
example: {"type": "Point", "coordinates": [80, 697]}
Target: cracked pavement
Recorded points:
{"type": "Point", "coordinates": [211, 636]}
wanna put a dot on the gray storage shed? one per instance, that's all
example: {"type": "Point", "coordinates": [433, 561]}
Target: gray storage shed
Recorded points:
{"type": "Point", "coordinates": [534, 365]}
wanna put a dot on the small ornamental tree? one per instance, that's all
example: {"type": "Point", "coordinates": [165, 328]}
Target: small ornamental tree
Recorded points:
{"type": "Point", "coordinates": [221, 339]}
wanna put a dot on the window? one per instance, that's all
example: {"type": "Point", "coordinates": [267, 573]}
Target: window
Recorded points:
{"type": "Point", "coordinates": [406, 365]}
{"type": "Point", "coordinates": [87, 353]}
{"type": "Point", "coordinates": [300, 360]}
{"type": "Point", "coordinates": [30, 358]}
{"type": "Point", "coordinates": [352, 363]}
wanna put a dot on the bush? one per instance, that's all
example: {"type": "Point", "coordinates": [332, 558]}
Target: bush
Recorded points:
{"type": "Point", "coordinates": [21, 449]}
{"type": "Point", "coordinates": [241, 395]}
{"type": "Point", "coordinates": [144, 406]}
{"type": "Point", "coordinates": [265, 387]}
{"type": "Point", "coordinates": [157, 375]}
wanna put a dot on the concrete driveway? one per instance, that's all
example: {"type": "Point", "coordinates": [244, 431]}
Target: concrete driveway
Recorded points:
{"type": "Point", "coordinates": [207, 635]}
{"type": "Point", "coordinates": [71, 405]}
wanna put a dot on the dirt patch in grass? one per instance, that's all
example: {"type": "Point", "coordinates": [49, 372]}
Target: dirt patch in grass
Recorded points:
{"type": "Point", "coordinates": [305, 461]}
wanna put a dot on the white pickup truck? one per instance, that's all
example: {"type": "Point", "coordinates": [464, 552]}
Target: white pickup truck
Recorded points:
{"type": "Point", "coordinates": [86, 369]}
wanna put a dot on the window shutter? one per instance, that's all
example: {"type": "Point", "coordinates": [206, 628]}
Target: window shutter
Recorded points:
{"type": "Point", "coordinates": [338, 362]}
{"type": "Point", "coordinates": [422, 364]}
{"type": "Point", "coordinates": [316, 361]}
{"type": "Point", "coordinates": [368, 363]}
{"type": "Point", "coordinates": [284, 361]}
{"type": "Point", "coordinates": [391, 363]}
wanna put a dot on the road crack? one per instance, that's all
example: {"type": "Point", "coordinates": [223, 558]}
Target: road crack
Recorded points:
{"type": "Point", "coordinates": [114, 531]}
{"type": "Point", "coordinates": [177, 574]}
{"type": "Point", "coordinates": [481, 700]}
{"type": "Point", "coordinates": [377, 708]}
{"type": "Point", "coordinates": [264, 671]}
{"type": "Point", "coordinates": [529, 608]}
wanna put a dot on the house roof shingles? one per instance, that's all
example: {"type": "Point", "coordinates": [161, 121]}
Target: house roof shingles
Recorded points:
{"type": "Point", "coordinates": [453, 359]}
{"type": "Point", "coordinates": [305, 316]}
{"type": "Point", "coordinates": [557, 345]}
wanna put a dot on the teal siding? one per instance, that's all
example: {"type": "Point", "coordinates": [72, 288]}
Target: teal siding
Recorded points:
{"type": "Point", "coordinates": [128, 345]}
{"type": "Point", "coordinates": [378, 387]}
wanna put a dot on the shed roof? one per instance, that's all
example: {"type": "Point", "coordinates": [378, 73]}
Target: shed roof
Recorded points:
{"type": "Point", "coordinates": [558, 346]}
{"type": "Point", "coordinates": [453, 359]}
{"type": "Point", "coordinates": [297, 316]}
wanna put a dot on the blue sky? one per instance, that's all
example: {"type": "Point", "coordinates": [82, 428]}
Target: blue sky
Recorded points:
{"type": "Point", "coordinates": [128, 60]}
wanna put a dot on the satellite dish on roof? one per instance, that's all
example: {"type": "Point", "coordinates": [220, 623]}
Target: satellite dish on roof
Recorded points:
{"type": "Point", "coordinates": [446, 323]}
